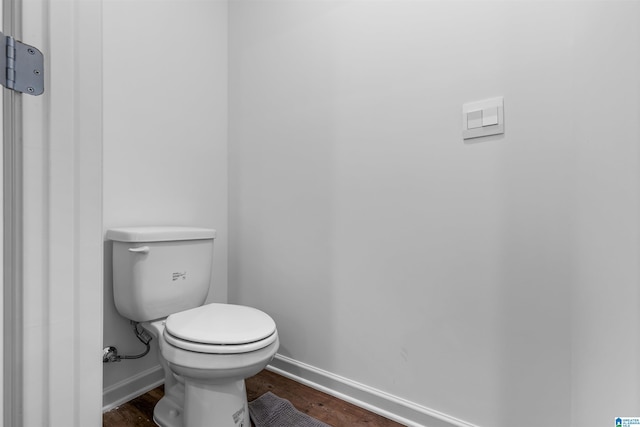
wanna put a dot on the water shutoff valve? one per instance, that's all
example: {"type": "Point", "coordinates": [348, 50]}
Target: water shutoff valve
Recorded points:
{"type": "Point", "coordinates": [110, 354]}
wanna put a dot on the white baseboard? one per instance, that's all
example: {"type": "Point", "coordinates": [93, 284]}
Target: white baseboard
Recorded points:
{"type": "Point", "coordinates": [371, 399]}
{"type": "Point", "coordinates": [130, 388]}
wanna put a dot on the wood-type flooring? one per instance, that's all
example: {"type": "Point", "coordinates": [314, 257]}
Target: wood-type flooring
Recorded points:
{"type": "Point", "coordinates": [328, 409]}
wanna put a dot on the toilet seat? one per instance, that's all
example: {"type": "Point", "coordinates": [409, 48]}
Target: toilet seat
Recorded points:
{"type": "Point", "coordinates": [220, 329]}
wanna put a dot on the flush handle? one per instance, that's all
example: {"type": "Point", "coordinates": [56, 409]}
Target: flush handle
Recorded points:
{"type": "Point", "coordinates": [140, 250]}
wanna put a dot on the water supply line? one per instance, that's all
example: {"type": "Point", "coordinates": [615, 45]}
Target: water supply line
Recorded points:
{"type": "Point", "coordinates": [110, 353]}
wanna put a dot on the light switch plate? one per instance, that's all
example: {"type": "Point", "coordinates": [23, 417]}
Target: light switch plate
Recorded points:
{"type": "Point", "coordinates": [492, 119]}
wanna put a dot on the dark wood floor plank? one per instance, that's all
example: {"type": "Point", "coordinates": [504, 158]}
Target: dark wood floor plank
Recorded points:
{"type": "Point", "coordinates": [136, 413]}
{"type": "Point", "coordinates": [321, 406]}
{"type": "Point", "coordinates": [326, 408]}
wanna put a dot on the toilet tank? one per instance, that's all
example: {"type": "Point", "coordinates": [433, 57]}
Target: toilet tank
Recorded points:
{"type": "Point", "coordinates": [158, 271]}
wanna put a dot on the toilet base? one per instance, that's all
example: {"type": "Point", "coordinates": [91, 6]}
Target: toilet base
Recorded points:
{"type": "Point", "coordinates": [167, 414]}
{"type": "Point", "coordinates": [220, 405]}
{"type": "Point", "coordinates": [168, 411]}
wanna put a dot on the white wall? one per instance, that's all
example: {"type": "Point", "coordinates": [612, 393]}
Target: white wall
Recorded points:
{"type": "Point", "coordinates": [606, 247]}
{"type": "Point", "coordinates": [480, 280]}
{"type": "Point", "coordinates": [165, 135]}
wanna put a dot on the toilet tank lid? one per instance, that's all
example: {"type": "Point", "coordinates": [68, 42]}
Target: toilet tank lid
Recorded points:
{"type": "Point", "coordinates": [159, 234]}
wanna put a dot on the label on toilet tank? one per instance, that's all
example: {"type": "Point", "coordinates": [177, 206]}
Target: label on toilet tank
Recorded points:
{"type": "Point", "coordinates": [179, 275]}
{"type": "Point", "coordinates": [239, 417]}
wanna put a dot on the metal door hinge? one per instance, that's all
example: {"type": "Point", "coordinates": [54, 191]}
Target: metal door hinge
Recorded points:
{"type": "Point", "coordinates": [23, 65]}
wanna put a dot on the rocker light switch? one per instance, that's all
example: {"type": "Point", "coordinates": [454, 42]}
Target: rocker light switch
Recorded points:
{"type": "Point", "coordinates": [483, 118]}
{"type": "Point", "coordinates": [474, 120]}
{"type": "Point", "coordinates": [490, 116]}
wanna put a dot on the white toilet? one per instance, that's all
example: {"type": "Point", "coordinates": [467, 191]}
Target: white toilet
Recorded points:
{"type": "Point", "coordinates": [161, 278]}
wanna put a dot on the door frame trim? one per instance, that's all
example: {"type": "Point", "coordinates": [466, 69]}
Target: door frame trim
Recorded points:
{"type": "Point", "coordinates": [12, 237]}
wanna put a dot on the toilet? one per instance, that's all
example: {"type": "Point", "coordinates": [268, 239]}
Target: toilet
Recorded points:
{"type": "Point", "coordinates": [161, 279]}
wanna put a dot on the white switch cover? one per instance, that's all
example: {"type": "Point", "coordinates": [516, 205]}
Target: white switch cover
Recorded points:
{"type": "Point", "coordinates": [490, 116]}
{"type": "Point", "coordinates": [474, 119]}
{"type": "Point", "coordinates": [490, 121]}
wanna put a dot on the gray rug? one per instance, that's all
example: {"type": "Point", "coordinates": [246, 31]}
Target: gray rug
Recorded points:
{"type": "Point", "coordinates": [270, 410]}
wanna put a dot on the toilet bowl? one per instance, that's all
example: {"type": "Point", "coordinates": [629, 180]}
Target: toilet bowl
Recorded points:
{"type": "Point", "coordinates": [209, 351]}
{"type": "Point", "coordinates": [206, 350]}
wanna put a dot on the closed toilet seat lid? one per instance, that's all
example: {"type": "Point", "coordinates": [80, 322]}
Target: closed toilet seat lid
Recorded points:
{"type": "Point", "coordinates": [220, 328]}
